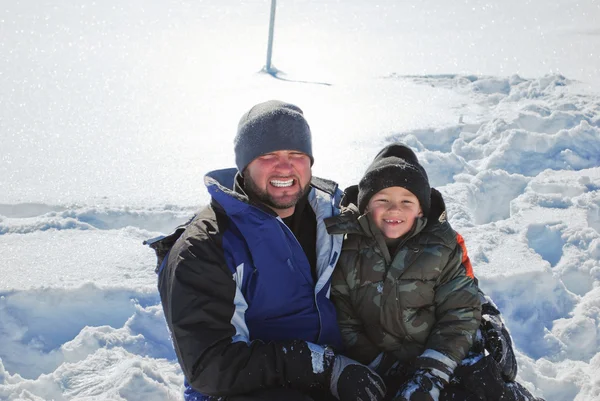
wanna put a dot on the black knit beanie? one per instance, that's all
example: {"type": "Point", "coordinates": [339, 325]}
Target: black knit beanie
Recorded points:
{"type": "Point", "coordinates": [268, 127]}
{"type": "Point", "coordinates": [395, 166]}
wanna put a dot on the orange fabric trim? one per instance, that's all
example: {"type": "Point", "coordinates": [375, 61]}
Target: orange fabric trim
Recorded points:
{"type": "Point", "coordinates": [465, 257]}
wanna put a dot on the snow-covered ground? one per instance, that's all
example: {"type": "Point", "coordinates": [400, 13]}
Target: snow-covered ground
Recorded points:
{"type": "Point", "coordinates": [111, 112]}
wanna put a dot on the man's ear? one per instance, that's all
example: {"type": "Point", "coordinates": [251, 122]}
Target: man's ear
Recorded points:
{"type": "Point", "coordinates": [420, 212]}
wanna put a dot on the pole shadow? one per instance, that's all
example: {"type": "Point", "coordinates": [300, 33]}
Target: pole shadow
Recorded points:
{"type": "Point", "coordinates": [277, 74]}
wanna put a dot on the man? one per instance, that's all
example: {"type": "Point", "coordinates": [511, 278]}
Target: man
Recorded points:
{"type": "Point", "coordinates": [245, 284]}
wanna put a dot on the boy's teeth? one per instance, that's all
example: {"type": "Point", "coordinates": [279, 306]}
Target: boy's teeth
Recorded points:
{"type": "Point", "coordinates": [281, 183]}
{"type": "Point", "coordinates": [392, 221]}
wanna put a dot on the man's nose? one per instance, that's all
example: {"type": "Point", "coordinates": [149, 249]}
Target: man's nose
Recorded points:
{"type": "Point", "coordinates": [284, 163]}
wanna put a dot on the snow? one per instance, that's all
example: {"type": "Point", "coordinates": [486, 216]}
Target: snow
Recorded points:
{"type": "Point", "coordinates": [317, 354]}
{"type": "Point", "coordinates": [111, 113]}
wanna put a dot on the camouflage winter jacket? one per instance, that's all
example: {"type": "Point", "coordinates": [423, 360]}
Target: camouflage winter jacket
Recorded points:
{"type": "Point", "coordinates": [422, 298]}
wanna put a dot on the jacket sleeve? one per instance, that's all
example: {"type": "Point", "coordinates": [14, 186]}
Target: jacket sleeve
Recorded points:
{"type": "Point", "coordinates": [457, 308]}
{"type": "Point", "coordinates": [357, 344]}
{"type": "Point", "coordinates": [199, 299]}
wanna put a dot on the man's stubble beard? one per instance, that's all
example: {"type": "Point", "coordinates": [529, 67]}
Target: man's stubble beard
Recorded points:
{"type": "Point", "coordinates": [256, 193]}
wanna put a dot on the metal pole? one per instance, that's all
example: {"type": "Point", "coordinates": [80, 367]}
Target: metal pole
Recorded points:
{"type": "Point", "coordinates": [271, 29]}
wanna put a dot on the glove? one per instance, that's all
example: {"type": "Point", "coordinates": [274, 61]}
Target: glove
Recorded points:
{"type": "Point", "coordinates": [433, 373]}
{"type": "Point", "coordinates": [497, 340]}
{"type": "Point", "coordinates": [348, 379]}
{"type": "Point", "coordinates": [423, 386]}
{"type": "Point", "coordinates": [352, 381]}
{"type": "Point", "coordinates": [385, 365]}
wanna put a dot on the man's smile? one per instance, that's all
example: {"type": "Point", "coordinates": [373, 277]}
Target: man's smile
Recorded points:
{"type": "Point", "coordinates": [282, 183]}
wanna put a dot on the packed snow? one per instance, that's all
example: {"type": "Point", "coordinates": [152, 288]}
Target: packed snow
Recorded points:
{"type": "Point", "coordinates": [111, 113]}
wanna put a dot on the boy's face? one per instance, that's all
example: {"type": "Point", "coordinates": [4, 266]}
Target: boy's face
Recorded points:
{"type": "Point", "coordinates": [394, 211]}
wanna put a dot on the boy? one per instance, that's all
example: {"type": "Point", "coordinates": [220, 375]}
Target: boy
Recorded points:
{"type": "Point", "coordinates": [406, 303]}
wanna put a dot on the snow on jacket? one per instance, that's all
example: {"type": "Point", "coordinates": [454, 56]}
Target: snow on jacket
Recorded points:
{"type": "Point", "coordinates": [422, 298]}
{"type": "Point", "coordinates": [239, 297]}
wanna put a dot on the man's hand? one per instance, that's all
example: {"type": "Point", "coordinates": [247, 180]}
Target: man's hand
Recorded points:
{"type": "Point", "coordinates": [423, 386]}
{"type": "Point", "coordinates": [385, 365]}
{"type": "Point", "coordinates": [497, 340]}
{"type": "Point", "coordinates": [348, 380]}
{"type": "Point", "coordinates": [351, 381]}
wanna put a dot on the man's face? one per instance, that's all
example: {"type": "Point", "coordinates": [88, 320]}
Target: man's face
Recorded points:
{"type": "Point", "coordinates": [394, 211]}
{"type": "Point", "coordinates": [278, 179]}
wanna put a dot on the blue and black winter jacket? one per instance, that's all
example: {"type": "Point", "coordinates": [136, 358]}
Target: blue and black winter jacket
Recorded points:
{"type": "Point", "coordinates": [239, 296]}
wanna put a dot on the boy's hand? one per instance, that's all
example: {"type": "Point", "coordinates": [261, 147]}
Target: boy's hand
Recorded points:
{"type": "Point", "coordinates": [423, 386]}
{"type": "Point", "coordinates": [433, 373]}
{"type": "Point", "coordinates": [497, 340]}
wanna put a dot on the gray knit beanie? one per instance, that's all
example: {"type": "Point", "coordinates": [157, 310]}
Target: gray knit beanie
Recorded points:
{"type": "Point", "coordinates": [268, 127]}
{"type": "Point", "coordinates": [395, 166]}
